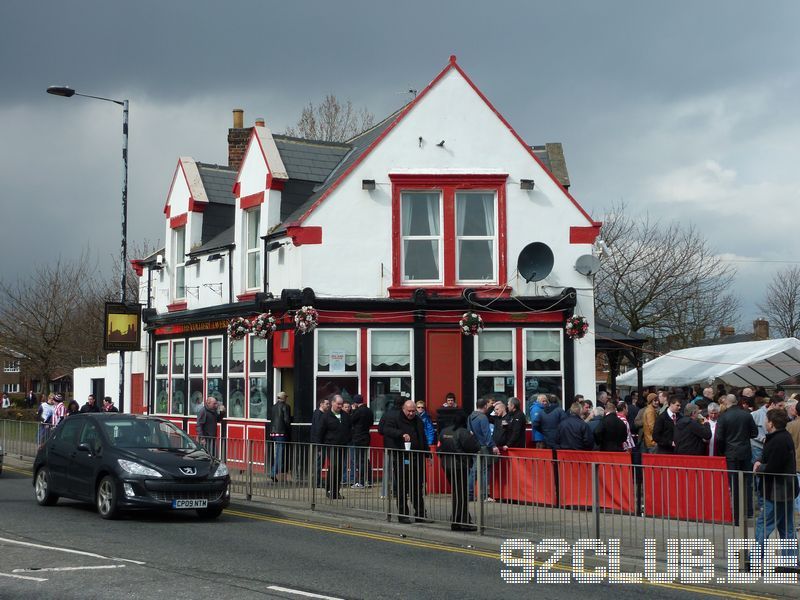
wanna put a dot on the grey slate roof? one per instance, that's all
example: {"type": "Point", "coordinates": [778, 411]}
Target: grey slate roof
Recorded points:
{"type": "Point", "coordinates": [218, 182]}
{"type": "Point", "coordinates": [309, 160]}
{"type": "Point", "coordinates": [223, 239]}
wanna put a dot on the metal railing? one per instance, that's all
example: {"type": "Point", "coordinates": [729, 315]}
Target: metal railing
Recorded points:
{"type": "Point", "coordinates": [21, 439]}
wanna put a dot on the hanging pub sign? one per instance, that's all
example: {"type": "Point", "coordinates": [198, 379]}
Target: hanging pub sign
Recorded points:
{"type": "Point", "coordinates": [122, 327]}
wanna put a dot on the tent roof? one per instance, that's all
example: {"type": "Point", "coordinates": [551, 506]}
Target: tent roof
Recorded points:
{"type": "Point", "coordinates": [764, 363]}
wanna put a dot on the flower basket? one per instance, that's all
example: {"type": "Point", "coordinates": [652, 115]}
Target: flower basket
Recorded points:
{"type": "Point", "coordinates": [471, 323]}
{"type": "Point", "coordinates": [306, 320]}
{"type": "Point", "coordinates": [264, 325]}
{"type": "Point", "coordinates": [577, 327]}
{"type": "Point", "coordinates": [238, 328]}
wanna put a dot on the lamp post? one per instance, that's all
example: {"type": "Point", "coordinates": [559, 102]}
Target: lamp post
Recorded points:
{"type": "Point", "coordinates": [68, 92]}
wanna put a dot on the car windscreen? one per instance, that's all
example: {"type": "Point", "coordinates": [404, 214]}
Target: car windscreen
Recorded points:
{"type": "Point", "coordinates": [147, 433]}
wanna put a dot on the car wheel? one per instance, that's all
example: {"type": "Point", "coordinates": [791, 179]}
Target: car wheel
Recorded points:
{"type": "Point", "coordinates": [41, 487]}
{"type": "Point", "coordinates": [209, 513]}
{"type": "Point", "coordinates": [107, 498]}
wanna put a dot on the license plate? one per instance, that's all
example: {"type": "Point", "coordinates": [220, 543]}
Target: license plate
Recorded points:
{"type": "Point", "coordinates": [190, 504]}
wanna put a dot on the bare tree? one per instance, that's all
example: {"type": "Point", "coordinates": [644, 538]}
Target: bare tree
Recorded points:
{"type": "Point", "coordinates": [663, 279]}
{"type": "Point", "coordinates": [331, 121]}
{"type": "Point", "coordinates": [781, 303]}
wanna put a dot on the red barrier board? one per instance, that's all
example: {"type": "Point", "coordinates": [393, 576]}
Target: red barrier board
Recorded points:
{"type": "Point", "coordinates": [615, 480]}
{"type": "Point", "coordinates": [524, 475]}
{"type": "Point", "coordinates": [691, 488]}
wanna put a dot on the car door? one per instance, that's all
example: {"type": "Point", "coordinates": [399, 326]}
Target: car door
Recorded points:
{"type": "Point", "coordinates": [84, 465]}
{"type": "Point", "coordinates": [63, 445]}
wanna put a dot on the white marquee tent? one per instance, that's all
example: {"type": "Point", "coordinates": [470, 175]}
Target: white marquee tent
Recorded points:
{"type": "Point", "coordinates": [765, 363]}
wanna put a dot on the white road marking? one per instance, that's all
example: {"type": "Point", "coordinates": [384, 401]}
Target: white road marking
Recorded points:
{"type": "Point", "coordinates": [67, 568]}
{"type": "Point", "coordinates": [68, 550]}
{"type": "Point", "coordinates": [277, 588]}
{"type": "Point", "coordinates": [22, 577]}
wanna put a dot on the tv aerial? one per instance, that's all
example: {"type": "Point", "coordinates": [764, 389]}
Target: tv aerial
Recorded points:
{"type": "Point", "coordinates": [535, 262]}
{"type": "Point", "coordinates": [588, 264]}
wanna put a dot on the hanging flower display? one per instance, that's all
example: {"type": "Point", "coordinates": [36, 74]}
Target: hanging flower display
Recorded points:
{"type": "Point", "coordinates": [577, 327]}
{"type": "Point", "coordinates": [264, 325]}
{"type": "Point", "coordinates": [306, 319]}
{"type": "Point", "coordinates": [238, 328]}
{"type": "Point", "coordinates": [471, 323]}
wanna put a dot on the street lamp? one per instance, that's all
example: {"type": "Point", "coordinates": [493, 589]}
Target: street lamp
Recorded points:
{"type": "Point", "coordinates": [67, 92]}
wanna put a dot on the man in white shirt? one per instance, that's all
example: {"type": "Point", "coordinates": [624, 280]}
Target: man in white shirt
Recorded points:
{"type": "Point", "coordinates": [713, 415]}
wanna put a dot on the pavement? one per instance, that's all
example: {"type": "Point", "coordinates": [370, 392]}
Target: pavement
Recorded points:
{"type": "Point", "coordinates": [258, 550]}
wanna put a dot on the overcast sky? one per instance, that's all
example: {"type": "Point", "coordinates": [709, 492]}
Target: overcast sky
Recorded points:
{"type": "Point", "coordinates": [683, 109]}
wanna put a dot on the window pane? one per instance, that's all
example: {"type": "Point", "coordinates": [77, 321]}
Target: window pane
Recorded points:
{"type": "Point", "coordinates": [178, 397]}
{"type": "Point", "coordinates": [258, 397]}
{"type": "Point", "coordinates": [475, 260]}
{"type": "Point", "coordinates": [180, 245]}
{"type": "Point", "coordinates": [346, 386]}
{"type": "Point", "coordinates": [236, 357]}
{"type": "Point", "coordinates": [258, 355]}
{"type": "Point", "coordinates": [195, 395]}
{"type": "Point", "coordinates": [495, 351]}
{"type": "Point", "coordinates": [499, 387]}
{"type": "Point", "coordinates": [235, 398]}
{"type": "Point", "coordinates": [196, 349]}
{"type": "Point", "coordinates": [214, 388]}
{"type": "Point", "coordinates": [420, 213]}
{"type": "Point", "coordinates": [544, 384]}
{"type": "Point", "coordinates": [330, 347]}
{"type": "Point", "coordinates": [253, 270]}
{"type": "Point", "coordinates": [390, 351]}
{"type": "Point", "coordinates": [543, 349]}
{"type": "Point", "coordinates": [384, 393]}
{"type": "Point", "coordinates": [253, 218]}
{"type": "Point", "coordinates": [178, 357]}
{"type": "Point", "coordinates": [162, 396]}
{"type": "Point", "coordinates": [180, 282]}
{"type": "Point", "coordinates": [475, 213]}
{"type": "Point", "coordinates": [421, 260]}
{"type": "Point", "coordinates": [215, 356]}
{"type": "Point", "coordinates": [162, 367]}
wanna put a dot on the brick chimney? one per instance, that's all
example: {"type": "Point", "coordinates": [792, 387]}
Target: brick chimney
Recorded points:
{"type": "Point", "coordinates": [760, 329]}
{"type": "Point", "coordinates": [238, 136]}
{"type": "Point", "coordinates": [726, 331]}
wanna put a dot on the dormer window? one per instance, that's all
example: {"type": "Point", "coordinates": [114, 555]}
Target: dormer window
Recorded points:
{"type": "Point", "coordinates": [252, 246]}
{"type": "Point", "coordinates": [179, 260]}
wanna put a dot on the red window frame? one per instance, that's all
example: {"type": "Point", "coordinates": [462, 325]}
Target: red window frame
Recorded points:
{"type": "Point", "coordinates": [448, 185]}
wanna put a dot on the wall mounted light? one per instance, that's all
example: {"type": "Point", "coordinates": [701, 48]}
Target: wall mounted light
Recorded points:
{"type": "Point", "coordinates": [368, 184]}
{"type": "Point", "coordinates": [526, 184]}
{"type": "Point", "coordinates": [192, 261]}
{"type": "Point", "coordinates": [213, 257]}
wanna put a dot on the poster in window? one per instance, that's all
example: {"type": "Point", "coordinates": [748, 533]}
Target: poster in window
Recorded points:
{"type": "Point", "coordinates": [394, 384]}
{"type": "Point", "coordinates": [337, 362]}
{"type": "Point", "coordinates": [122, 327]}
{"type": "Point", "coordinates": [499, 384]}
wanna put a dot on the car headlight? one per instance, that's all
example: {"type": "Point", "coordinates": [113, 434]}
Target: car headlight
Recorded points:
{"type": "Point", "coordinates": [134, 468]}
{"type": "Point", "coordinates": [221, 471]}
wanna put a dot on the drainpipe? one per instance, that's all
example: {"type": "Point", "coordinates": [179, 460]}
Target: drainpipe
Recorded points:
{"type": "Point", "coordinates": [230, 275]}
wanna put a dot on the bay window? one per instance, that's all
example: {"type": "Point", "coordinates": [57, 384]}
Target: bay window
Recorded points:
{"type": "Point", "coordinates": [390, 370]}
{"type": "Point", "coordinates": [495, 364]}
{"type": "Point", "coordinates": [544, 365]}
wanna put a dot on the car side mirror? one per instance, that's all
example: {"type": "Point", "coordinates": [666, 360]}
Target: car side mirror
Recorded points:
{"type": "Point", "coordinates": [84, 447]}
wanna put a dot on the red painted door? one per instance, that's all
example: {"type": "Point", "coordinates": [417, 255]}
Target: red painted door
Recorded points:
{"type": "Point", "coordinates": [137, 406]}
{"type": "Point", "coordinates": [443, 367]}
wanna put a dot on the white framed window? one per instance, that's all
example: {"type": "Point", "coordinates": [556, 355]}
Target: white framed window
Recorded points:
{"type": "Point", "coordinates": [236, 371]}
{"type": "Point", "coordinates": [11, 388]}
{"type": "Point", "coordinates": [179, 260]}
{"type": "Point", "coordinates": [214, 369]}
{"type": "Point", "coordinates": [336, 368]}
{"type": "Point", "coordinates": [495, 360]}
{"type": "Point", "coordinates": [258, 401]}
{"type": "Point", "coordinates": [178, 378]}
{"type": "Point", "coordinates": [252, 247]}
{"type": "Point", "coordinates": [11, 366]}
{"type": "Point", "coordinates": [544, 363]}
{"type": "Point", "coordinates": [421, 236]}
{"type": "Point", "coordinates": [476, 237]}
{"type": "Point", "coordinates": [196, 374]}
{"type": "Point", "coordinates": [391, 368]}
{"type": "Point", "coordinates": [162, 378]}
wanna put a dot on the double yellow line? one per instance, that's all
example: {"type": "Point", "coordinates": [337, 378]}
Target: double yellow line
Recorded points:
{"type": "Point", "coordinates": [469, 551]}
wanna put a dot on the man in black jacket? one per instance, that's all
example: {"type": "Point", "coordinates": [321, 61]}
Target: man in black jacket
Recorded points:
{"type": "Point", "coordinates": [456, 447]}
{"type": "Point", "coordinates": [735, 428]}
{"type": "Point", "coordinates": [316, 418]}
{"type": "Point", "coordinates": [573, 432]}
{"type": "Point", "coordinates": [279, 431]}
{"type": "Point", "coordinates": [91, 405]}
{"type": "Point", "coordinates": [335, 431]}
{"type": "Point", "coordinates": [664, 427]}
{"type": "Point", "coordinates": [362, 419]}
{"type": "Point", "coordinates": [692, 432]}
{"type": "Point", "coordinates": [516, 429]}
{"type": "Point", "coordinates": [611, 433]}
{"type": "Point", "coordinates": [404, 436]}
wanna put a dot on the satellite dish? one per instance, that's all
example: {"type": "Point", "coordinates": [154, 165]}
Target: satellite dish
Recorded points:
{"type": "Point", "coordinates": [588, 264]}
{"type": "Point", "coordinates": [535, 261]}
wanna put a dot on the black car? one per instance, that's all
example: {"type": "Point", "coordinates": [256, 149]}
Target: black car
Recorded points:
{"type": "Point", "coordinates": [120, 462]}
